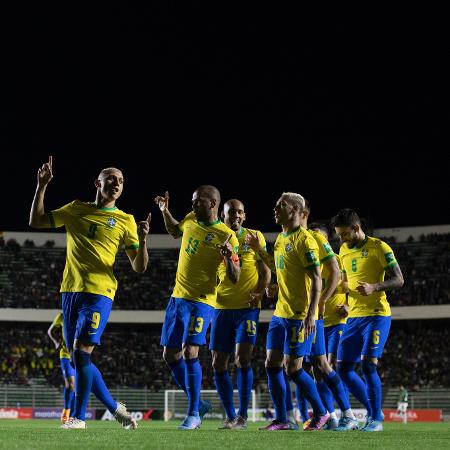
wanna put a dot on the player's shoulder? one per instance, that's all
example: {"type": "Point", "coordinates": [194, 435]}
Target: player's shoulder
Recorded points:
{"type": "Point", "coordinates": [318, 237]}
{"type": "Point", "coordinates": [375, 242]}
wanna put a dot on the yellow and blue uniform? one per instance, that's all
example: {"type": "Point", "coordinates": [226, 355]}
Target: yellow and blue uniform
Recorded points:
{"type": "Point", "coordinates": [233, 321]}
{"type": "Point", "coordinates": [94, 236]}
{"type": "Point", "coordinates": [334, 324]}
{"type": "Point", "coordinates": [64, 355]}
{"type": "Point", "coordinates": [191, 305]}
{"type": "Point", "coordinates": [295, 253]}
{"type": "Point", "coordinates": [369, 316]}
{"type": "Point", "coordinates": [326, 253]}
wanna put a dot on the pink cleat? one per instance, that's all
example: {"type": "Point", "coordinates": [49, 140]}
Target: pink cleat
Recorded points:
{"type": "Point", "coordinates": [317, 422]}
{"type": "Point", "coordinates": [276, 425]}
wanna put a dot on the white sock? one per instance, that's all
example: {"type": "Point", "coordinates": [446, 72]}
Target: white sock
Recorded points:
{"type": "Point", "coordinates": [333, 415]}
{"type": "Point", "coordinates": [349, 413]}
{"type": "Point", "coordinates": [290, 415]}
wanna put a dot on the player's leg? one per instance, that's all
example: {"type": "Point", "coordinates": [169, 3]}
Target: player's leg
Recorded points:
{"type": "Point", "coordinates": [375, 336]}
{"type": "Point", "coordinates": [297, 345]}
{"type": "Point", "coordinates": [329, 383]}
{"type": "Point", "coordinates": [69, 388]}
{"type": "Point", "coordinates": [246, 334]}
{"type": "Point", "coordinates": [274, 368]}
{"type": "Point", "coordinates": [222, 342]}
{"type": "Point", "coordinates": [196, 317]}
{"type": "Point", "coordinates": [171, 340]}
{"type": "Point", "coordinates": [93, 313]}
{"type": "Point", "coordinates": [349, 351]}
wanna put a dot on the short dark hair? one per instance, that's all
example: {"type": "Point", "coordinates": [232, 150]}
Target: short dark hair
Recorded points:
{"type": "Point", "coordinates": [346, 218]}
{"type": "Point", "coordinates": [319, 226]}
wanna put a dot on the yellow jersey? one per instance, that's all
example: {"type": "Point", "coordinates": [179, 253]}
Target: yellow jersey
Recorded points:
{"type": "Point", "coordinates": [94, 236]}
{"type": "Point", "coordinates": [325, 254]}
{"type": "Point", "coordinates": [58, 323]}
{"type": "Point", "coordinates": [331, 316]}
{"type": "Point", "coordinates": [367, 262]}
{"type": "Point", "coordinates": [199, 259]}
{"type": "Point", "coordinates": [236, 296]}
{"type": "Point", "coordinates": [295, 253]}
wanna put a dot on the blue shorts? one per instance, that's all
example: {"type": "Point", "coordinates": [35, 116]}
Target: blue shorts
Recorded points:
{"type": "Point", "coordinates": [232, 326]}
{"type": "Point", "coordinates": [85, 316]}
{"type": "Point", "coordinates": [332, 337]}
{"type": "Point", "coordinates": [287, 336]}
{"type": "Point", "coordinates": [363, 336]}
{"type": "Point", "coordinates": [66, 368]}
{"type": "Point", "coordinates": [186, 322]}
{"type": "Point", "coordinates": [318, 345]}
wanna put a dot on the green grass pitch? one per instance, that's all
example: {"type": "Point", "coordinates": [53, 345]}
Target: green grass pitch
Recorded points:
{"type": "Point", "coordinates": [45, 434]}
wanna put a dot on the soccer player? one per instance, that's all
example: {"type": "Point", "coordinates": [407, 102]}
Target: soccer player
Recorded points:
{"type": "Point", "coordinates": [66, 368]}
{"type": "Point", "coordinates": [402, 404]}
{"type": "Point", "coordinates": [329, 383]}
{"type": "Point", "coordinates": [236, 317]}
{"type": "Point", "coordinates": [292, 326]}
{"type": "Point", "coordinates": [95, 232]}
{"type": "Point", "coordinates": [365, 261]}
{"type": "Point", "coordinates": [206, 243]}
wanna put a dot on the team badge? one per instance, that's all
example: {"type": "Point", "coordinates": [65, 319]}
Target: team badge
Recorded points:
{"type": "Point", "coordinates": [288, 247]}
{"type": "Point", "coordinates": [365, 253]}
{"type": "Point", "coordinates": [111, 222]}
{"type": "Point", "coordinates": [246, 247]}
{"type": "Point", "coordinates": [209, 237]}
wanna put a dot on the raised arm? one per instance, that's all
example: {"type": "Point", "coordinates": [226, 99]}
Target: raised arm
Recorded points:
{"type": "Point", "coordinates": [50, 335]}
{"type": "Point", "coordinates": [38, 218]}
{"type": "Point", "coordinates": [170, 223]}
{"type": "Point", "coordinates": [252, 240]}
{"type": "Point", "coordinates": [231, 261]}
{"type": "Point", "coordinates": [139, 257]}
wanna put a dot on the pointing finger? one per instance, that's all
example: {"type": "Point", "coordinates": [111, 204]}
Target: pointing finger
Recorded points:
{"type": "Point", "coordinates": [228, 238]}
{"type": "Point", "coordinates": [50, 161]}
{"type": "Point", "coordinates": [149, 218]}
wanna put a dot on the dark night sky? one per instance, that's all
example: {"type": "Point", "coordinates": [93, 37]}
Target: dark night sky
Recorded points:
{"type": "Point", "coordinates": [348, 113]}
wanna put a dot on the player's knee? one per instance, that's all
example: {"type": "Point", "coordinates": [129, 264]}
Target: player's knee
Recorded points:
{"type": "Point", "coordinates": [190, 352]}
{"type": "Point", "coordinates": [321, 366]}
{"type": "Point", "coordinates": [344, 368]}
{"type": "Point", "coordinates": [171, 355]}
{"type": "Point", "coordinates": [71, 384]}
{"type": "Point", "coordinates": [243, 361]}
{"type": "Point", "coordinates": [368, 367]}
{"type": "Point", "coordinates": [219, 364]}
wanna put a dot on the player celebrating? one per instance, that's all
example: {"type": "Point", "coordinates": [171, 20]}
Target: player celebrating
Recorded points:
{"type": "Point", "coordinates": [206, 243]}
{"type": "Point", "coordinates": [95, 232]}
{"type": "Point", "coordinates": [66, 368]}
{"type": "Point", "coordinates": [365, 261]}
{"type": "Point", "coordinates": [236, 317]}
{"type": "Point", "coordinates": [292, 326]}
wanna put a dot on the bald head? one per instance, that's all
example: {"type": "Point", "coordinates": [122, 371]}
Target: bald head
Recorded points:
{"type": "Point", "coordinates": [233, 214]}
{"type": "Point", "coordinates": [210, 192]}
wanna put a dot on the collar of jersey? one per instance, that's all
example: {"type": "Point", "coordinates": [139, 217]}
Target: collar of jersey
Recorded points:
{"type": "Point", "coordinates": [208, 224]}
{"type": "Point", "coordinates": [291, 232]}
{"type": "Point", "coordinates": [105, 209]}
{"type": "Point", "coordinates": [362, 243]}
{"type": "Point", "coordinates": [242, 232]}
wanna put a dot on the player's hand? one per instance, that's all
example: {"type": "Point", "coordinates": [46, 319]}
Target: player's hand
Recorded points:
{"type": "Point", "coordinates": [255, 299]}
{"type": "Point", "coordinates": [143, 228]}
{"type": "Point", "coordinates": [226, 250]}
{"type": "Point", "coordinates": [56, 344]}
{"type": "Point", "coordinates": [252, 240]}
{"type": "Point", "coordinates": [272, 290]}
{"type": "Point", "coordinates": [45, 174]}
{"type": "Point", "coordinates": [342, 310]}
{"type": "Point", "coordinates": [309, 325]}
{"type": "Point", "coordinates": [365, 288]}
{"type": "Point", "coordinates": [163, 202]}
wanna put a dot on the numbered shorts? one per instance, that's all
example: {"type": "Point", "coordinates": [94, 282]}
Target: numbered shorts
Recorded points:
{"type": "Point", "coordinates": [66, 368]}
{"type": "Point", "coordinates": [287, 336]}
{"type": "Point", "coordinates": [318, 345]}
{"type": "Point", "coordinates": [85, 316]}
{"type": "Point", "coordinates": [186, 322]}
{"type": "Point", "coordinates": [363, 336]}
{"type": "Point", "coordinates": [233, 326]}
{"type": "Point", "coordinates": [333, 336]}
